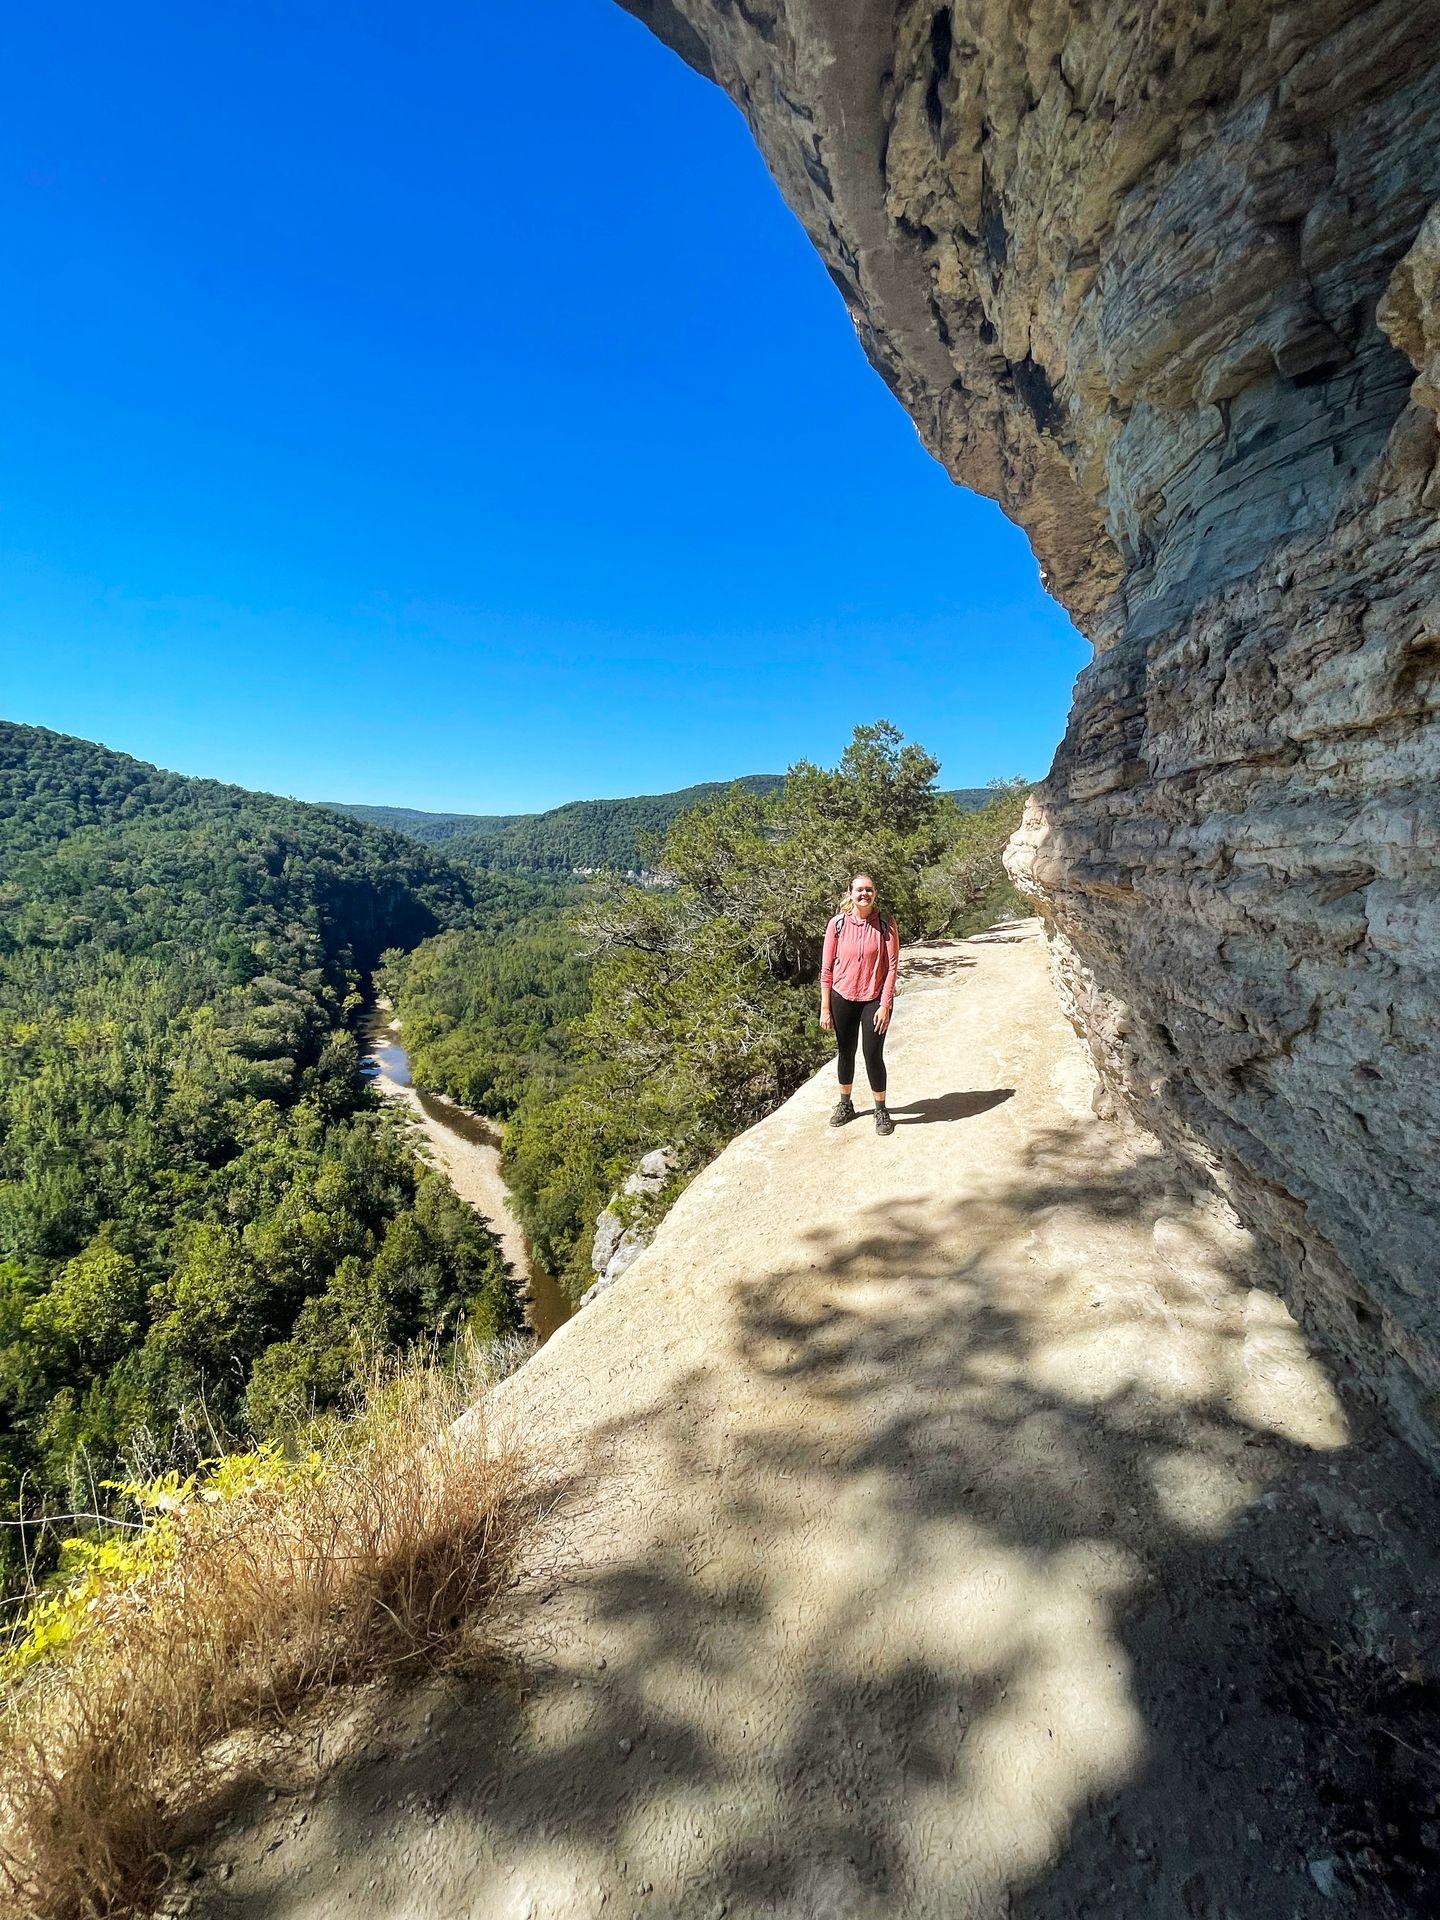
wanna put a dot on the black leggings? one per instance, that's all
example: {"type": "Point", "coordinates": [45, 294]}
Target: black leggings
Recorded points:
{"type": "Point", "coordinates": [855, 1020]}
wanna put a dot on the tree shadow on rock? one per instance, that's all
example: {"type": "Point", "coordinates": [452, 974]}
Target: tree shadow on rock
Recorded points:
{"type": "Point", "coordinates": [941, 960]}
{"type": "Point", "coordinates": [973, 1564]}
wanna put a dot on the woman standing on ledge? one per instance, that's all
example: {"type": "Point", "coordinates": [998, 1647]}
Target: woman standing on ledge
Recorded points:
{"type": "Point", "coordinates": [857, 991]}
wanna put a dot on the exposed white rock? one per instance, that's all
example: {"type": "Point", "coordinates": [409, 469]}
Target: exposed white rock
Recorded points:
{"type": "Point", "coordinates": [619, 1241]}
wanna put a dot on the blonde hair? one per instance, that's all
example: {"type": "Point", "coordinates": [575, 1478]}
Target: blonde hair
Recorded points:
{"type": "Point", "coordinates": [847, 903]}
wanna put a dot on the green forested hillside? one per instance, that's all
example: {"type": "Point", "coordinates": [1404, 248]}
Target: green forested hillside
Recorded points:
{"type": "Point", "coordinates": [203, 1216]}
{"type": "Point", "coordinates": [577, 838]}
{"type": "Point", "coordinates": [432, 829]}
{"type": "Point", "coordinates": [583, 836]}
{"type": "Point", "coordinates": [205, 1221]}
{"type": "Point", "coordinates": [487, 1009]}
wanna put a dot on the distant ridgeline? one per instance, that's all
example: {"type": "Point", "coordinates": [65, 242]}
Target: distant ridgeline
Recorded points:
{"type": "Point", "coordinates": [579, 837]}
{"type": "Point", "coordinates": [576, 838]}
{"type": "Point", "coordinates": [200, 1204]}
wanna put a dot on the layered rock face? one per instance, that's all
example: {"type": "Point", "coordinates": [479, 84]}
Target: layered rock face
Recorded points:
{"type": "Point", "coordinates": [1164, 280]}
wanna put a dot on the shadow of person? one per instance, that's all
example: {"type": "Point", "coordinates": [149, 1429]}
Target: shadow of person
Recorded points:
{"type": "Point", "coordinates": [950, 1106]}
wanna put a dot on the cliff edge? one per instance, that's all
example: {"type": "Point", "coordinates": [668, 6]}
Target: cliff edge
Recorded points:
{"type": "Point", "coordinates": [946, 1525]}
{"type": "Point", "coordinates": [1164, 281]}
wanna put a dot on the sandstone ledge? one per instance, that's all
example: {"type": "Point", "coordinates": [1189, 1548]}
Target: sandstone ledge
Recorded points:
{"type": "Point", "coordinates": [1162, 280]}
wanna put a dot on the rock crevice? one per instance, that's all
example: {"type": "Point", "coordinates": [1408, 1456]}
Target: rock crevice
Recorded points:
{"type": "Point", "coordinates": [1164, 281]}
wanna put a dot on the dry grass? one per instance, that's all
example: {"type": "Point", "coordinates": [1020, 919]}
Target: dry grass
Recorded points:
{"type": "Point", "coordinates": [378, 1552]}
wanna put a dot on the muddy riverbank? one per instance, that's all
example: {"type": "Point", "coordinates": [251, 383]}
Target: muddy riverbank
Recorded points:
{"type": "Point", "coordinates": [467, 1149]}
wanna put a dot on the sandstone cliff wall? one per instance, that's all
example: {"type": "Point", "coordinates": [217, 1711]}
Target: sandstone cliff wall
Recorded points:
{"type": "Point", "coordinates": [1164, 280]}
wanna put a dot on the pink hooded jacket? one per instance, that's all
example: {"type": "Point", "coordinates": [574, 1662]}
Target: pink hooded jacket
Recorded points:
{"type": "Point", "coordinates": [861, 957]}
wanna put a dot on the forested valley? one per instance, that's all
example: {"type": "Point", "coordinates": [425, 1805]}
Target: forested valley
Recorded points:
{"type": "Point", "coordinates": [210, 1230]}
{"type": "Point", "coordinates": [583, 836]}
{"type": "Point", "coordinates": [207, 1224]}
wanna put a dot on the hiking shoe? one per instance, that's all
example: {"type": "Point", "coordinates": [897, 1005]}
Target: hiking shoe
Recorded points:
{"type": "Point", "coordinates": [883, 1122]}
{"type": "Point", "coordinates": [844, 1110]}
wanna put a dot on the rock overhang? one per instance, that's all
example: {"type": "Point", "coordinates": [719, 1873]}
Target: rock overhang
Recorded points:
{"type": "Point", "coordinates": [1162, 281]}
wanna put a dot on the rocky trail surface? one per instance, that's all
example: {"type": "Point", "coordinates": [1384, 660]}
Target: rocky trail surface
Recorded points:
{"type": "Point", "coordinates": [1164, 280]}
{"type": "Point", "coordinates": [937, 1526]}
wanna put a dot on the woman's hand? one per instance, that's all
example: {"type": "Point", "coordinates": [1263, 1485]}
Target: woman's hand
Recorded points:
{"type": "Point", "coordinates": [827, 1021]}
{"type": "Point", "coordinates": [882, 1019]}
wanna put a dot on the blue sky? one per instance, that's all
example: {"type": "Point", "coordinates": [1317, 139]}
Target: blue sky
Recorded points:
{"type": "Point", "coordinates": [412, 405]}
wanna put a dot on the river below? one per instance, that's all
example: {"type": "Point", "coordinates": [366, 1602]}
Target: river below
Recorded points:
{"type": "Point", "coordinates": [466, 1148]}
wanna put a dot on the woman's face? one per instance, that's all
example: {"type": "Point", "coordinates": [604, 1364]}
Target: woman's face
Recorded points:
{"type": "Point", "coordinates": [862, 895]}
